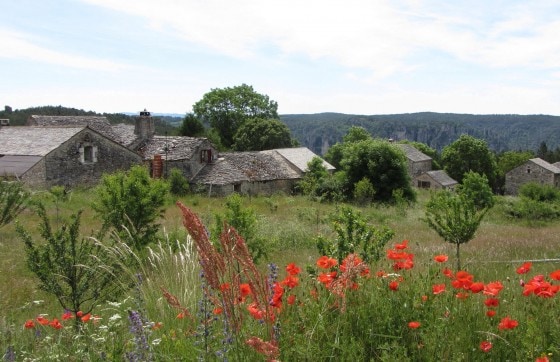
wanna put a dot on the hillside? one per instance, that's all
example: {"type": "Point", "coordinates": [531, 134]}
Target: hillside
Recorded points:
{"type": "Point", "coordinates": [502, 132]}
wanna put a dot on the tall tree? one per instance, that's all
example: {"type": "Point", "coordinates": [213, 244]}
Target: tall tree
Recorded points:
{"type": "Point", "coordinates": [191, 126]}
{"type": "Point", "coordinates": [469, 154]}
{"type": "Point", "coordinates": [259, 134]}
{"type": "Point", "coordinates": [226, 109]}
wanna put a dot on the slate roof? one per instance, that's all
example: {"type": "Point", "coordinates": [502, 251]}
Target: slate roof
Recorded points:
{"type": "Point", "coordinates": [300, 157]}
{"type": "Point", "coordinates": [178, 148]}
{"type": "Point", "coordinates": [412, 153]}
{"type": "Point", "coordinates": [547, 166]}
{"type": "Point", "coordinates": [15, 165]}
{"type": "Point", "coordinates": [441, 177]}
{"type": "Point", "coordinates": [34, 141]}
{"type": "Point", "coordinates": [247, 166]}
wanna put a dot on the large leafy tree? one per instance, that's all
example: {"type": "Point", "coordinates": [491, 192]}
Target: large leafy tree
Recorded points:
{"type": "Point", "coordinates": [335, 153]}
{"type": "Point", "coordinates": [259, 134]}
{"type": "Point", "coordinates": [131, 203]}
{"type": "Point", "coordinates": [226, 109]}
{"type": "Point", "coordinates": [382, 163]}
{"type": "Point", "coordinates": [469, 154]}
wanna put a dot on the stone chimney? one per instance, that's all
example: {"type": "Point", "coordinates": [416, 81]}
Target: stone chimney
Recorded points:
{"type": "Point", "coordinates": [144, 126]}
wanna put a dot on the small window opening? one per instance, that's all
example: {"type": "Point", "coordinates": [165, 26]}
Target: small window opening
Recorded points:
{"type": "Point", "coordinates": [88, 153]}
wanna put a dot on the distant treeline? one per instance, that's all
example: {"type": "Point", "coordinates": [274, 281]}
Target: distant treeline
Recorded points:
{"type": "Point", "coordinates": [507, 132]}
{"type": "Point", "coordinates": [19, 117]}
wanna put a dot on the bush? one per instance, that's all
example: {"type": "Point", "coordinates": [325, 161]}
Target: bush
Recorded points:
{"type": "Point", "coordinates": [536, 192]}
{"type": "Point", "coordinates": [178, 183]}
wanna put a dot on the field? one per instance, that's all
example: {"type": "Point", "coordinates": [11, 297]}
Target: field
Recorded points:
{"type": "Point", "coordinates": [416, 314]}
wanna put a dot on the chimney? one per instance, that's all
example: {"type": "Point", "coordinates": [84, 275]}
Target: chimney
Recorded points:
{"type": "Point", "coordinates": [144, 126]}
{"type": "Point", "coordinates": [157, 166]}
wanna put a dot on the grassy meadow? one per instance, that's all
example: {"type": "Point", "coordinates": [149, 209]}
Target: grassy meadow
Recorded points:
{"type": "Point", "coordinates": [424, 313]}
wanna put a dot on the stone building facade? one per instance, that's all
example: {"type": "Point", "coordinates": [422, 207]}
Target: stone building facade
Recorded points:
{"type": "Point", "coordinates": [534, 170]}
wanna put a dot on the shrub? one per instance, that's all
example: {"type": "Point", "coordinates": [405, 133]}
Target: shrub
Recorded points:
{"type": "Point", "coordinates": [536, 192]}
{"type": "Point", "coordinates": [178, 183]}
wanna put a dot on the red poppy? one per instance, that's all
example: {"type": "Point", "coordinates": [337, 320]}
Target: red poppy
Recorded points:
{"type": "Point", "coordinates": [413, 325]}
{"type": "Point", "coordinates": [292, 269]}
{"type": "Point", "coordinates": [493, 289]}
{"type": "Point", "coordinates": [394, 285]}
{"type": "Point", "coordinates": [291, 281]}
{"type": "Point", "coordinates": [42, 320]}
{"type": "Point", "coordinates": [86, 318]}
{"type": "Point", "coordinates": [181, 315]}
{"type": "Point", "coordinates": [438, 288]}
{"type": "Point", "coordinates": [485, 346]}
{"type": "Point", "coordinates": [326, 278]}
{"type": "Point", "coordinates": [244, 289]}
{"type": "Point", "coordinates": [555, 275]}
{"type": "Point", "coordinates": [477, 287]}
{"type": "Point", "coordinates": [507, 323]}
{"type": "Point", "coordinates": [55, 324]}
{"type": "Point", "coordinates": [490, 313]}
{"type": "Point", "coordinates": [461, 295]}
{"type": "Point", "coordinates": [542, 359]}
{"type": "Point", "coordinates": [448, 273]}
{"type": "Point", "coordinates": [223, 287]}
{"type": "Point", "coordinates": [325, 262]}
{"type": "Point", "coordinates": [157, 326]}
{"type": "Point", "coordinates": [291, 299]}
{"type": "Point", "coordinates": [67, 315]}
{"type": "Point", "coordinates": [424, 298]}
{"type": "Point", "coordinates": [491, 302]}
{"type": "Point", "coordinates": [29, 324]}
{"type": "Point", "coordinates": [255, 311]}
{"type": "Point", "coordinates": [441, 258]}
{"type": "Point", "coordinates": [381, 274]}
{"type": "Point", "coordinates": [79, 314]}
{"type": "Point", "coordinates": [217, 311]}
{"type": "Point", "coordinates": [525, 268]}
{"type": "Point", "coordinates": [402, 245]}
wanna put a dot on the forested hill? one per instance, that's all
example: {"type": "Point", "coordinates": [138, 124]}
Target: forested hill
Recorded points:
{"type": "Point", "coordinates": [502, 132]}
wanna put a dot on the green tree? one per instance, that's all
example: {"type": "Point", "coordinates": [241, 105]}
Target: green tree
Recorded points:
{"type": "Point", "coordinates": [335, 153]}
{"type": "Point", "coordinates": [382, 163]}
{"type": "Point", "coordinates": [72, 268]}
{"type": "Point", "coordinates": [356, 134]}
{"type": "Point", "coordinates": [315, 175]}
{"type": "Point", "coordinates": [257, 134]}
{"type": "Point", "coordinates": [454, 217]}
{"type": "Point", "coordinates": [468, 154]}
{"type": "Point", "coordinates": [226, 109]}
{"type": "Point", "coordinates": [13, 200]}
{"type": "Point", "coordinates": [131, 202]}
{"type": "Point", "coordinates": [178, 183]}
{"type": "Point", "coordinates": [191, 126]}
{"type": "Point", "coordinates": [475, 187]}
{"type": "Point", "coordinates": [354, 235]}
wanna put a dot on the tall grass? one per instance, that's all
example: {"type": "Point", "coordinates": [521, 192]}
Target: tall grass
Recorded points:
{"type": "Point", "coordinates": [178, 322]}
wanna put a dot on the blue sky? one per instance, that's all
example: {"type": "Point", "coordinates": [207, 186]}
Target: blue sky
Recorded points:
{"type": "Point", "coordinates": [311, 56]}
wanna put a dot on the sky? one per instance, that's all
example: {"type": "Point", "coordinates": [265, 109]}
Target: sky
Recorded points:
{"type": "Point", "coordinates": [362, 57]}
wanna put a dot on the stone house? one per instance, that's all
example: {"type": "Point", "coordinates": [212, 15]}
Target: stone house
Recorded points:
{"type": "Point", "coordinates": [255, 173]}
{"type": "Point", "coordinates": [435, 180]}
{"type": "Point", "coordinates": [534, 170]}
{"type": "Point", "coordinates": [46, 156]}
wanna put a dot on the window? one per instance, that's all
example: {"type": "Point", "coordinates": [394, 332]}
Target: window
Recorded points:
{"type": "Point", "coordinates": [88, 153]}
{"type": "Point", "coordinates": [424, 184]}
{"type": "Point", "coordinates": [206, 156]}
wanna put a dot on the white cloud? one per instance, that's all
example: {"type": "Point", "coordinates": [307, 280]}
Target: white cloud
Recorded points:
{"type": "Point", "coordinates": [17, 45]}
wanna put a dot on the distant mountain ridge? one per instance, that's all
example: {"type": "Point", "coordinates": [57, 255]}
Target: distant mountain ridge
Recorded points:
{"type": "Point", "coordinates": [502, 132]}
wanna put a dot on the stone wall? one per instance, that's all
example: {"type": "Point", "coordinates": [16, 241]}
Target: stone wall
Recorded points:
{"type": "Point", "coordinates": [65, 165]}
{"type": "Point", "coordinates": [34, 178]}
{"type": "Point", "coordinates": [528, 172]}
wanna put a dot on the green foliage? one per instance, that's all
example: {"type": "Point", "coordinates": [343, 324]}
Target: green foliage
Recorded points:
{"type": "Point", "coordinates": [13, 200]}
{"type": "Point", "coordinates": [244, 220]}
{"type": "Point", "coordinates": [475, 187]}
{"type": "Point", "coordinates": [354, 235]}
{"type": "Point", "coordinates": [257, 134]}
{"type": "Point", "coordinates": [131, 202]}
{"type": "Point", "coordinates": [506, 162]}
{"type": "Point", "coordinates": [178, 183]}
{"type": "Point", "coordinates": [68, 266]}
{"type": "Point", "coordinates": [315, 175]}
{"type": "Point", "coordinates": [226, 109]}
{"type": "Point", "coordinates": [364, 192]}
{"type": "Point", "coordinates": [468, 154]}
{"type": "Point", "coordinates": [382, 163]}
{"type": "Point", "coordinates": [538, 192]}
{"type": "Point", "coordinates": [454, 217]}
{"type": "Point", "coordinates": [356, 134]}
{"type": "Point", "coordinates": [191, 126]}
